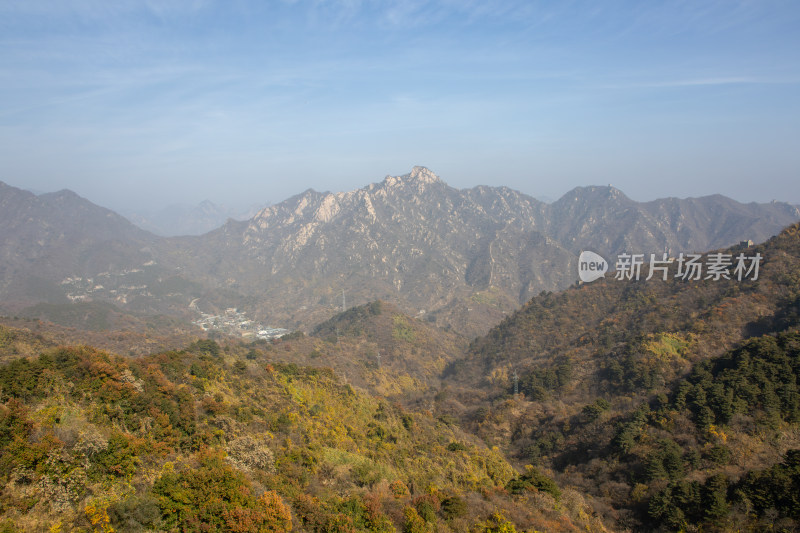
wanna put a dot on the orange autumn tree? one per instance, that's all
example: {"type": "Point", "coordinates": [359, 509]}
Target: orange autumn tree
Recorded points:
{"type": "Point", "coordinates": [213, 496]}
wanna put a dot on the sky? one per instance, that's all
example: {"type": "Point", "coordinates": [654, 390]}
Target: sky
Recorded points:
{"type": "Point", "coordinates": [144, 103]}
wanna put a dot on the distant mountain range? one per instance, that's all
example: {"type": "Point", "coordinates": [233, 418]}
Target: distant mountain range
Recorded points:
{"type": "Point", "coordinates": [461, 258]}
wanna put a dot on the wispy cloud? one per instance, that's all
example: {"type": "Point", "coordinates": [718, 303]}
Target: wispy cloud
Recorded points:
{"type": "Point", "coordinates": [700, 82]}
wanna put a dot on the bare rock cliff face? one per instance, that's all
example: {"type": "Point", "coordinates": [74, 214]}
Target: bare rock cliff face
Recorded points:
{"type": "Point", "coordinates": [471, 255]}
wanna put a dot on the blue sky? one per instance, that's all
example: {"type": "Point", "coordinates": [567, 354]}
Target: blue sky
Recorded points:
{"type": "Point", "coordinates": [241, 102]}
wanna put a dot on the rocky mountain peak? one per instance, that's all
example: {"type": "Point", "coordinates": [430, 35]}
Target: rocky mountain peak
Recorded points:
{"type": "Point", "coordinates": [418, 178]}
{"type": "Point", "coordinates": [423, 175]}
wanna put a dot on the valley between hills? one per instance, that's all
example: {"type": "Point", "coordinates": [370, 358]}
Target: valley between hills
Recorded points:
{"type": "Point", "coordinates": [467, 383]}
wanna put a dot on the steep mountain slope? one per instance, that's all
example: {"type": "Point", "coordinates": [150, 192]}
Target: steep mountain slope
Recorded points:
{"type": "Point", "coordinates": [617, 378]}
{"type": "Point", "coordinates": [700, 224]}
{"type": "Point", "coordinates": [608, 313]}
{"type": "Point", "coordinates": [58, 249]}
{"type": "Point", "coordinates": [46, 238]}
{"type": "Point", "coordinates": [603, 219]}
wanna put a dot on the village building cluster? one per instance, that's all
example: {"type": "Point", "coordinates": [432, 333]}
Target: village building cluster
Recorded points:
{"type": "Point", "coordinates": [235, 322]}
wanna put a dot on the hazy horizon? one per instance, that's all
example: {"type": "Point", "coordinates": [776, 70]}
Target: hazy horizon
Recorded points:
{"type": "Point", "coordinates": [238, 210]}
{"type": "Point", "coordinates": [138, 104]}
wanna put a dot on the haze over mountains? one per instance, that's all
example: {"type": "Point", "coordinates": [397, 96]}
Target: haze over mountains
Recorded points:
{"type": "Point", "coordinates": [461, 257]}
{"type": "Point", "coordinates": [183, 219]}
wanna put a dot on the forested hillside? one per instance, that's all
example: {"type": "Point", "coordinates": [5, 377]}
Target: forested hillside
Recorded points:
{"type": "Point", "coordinates": [673, 403]}
{"type": "Point", "coordinates": [214, 438]}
